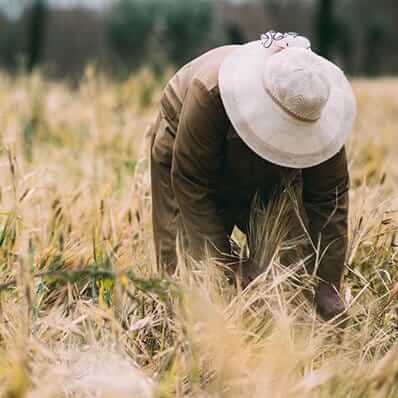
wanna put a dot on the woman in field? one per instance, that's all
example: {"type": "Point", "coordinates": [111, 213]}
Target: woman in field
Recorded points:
{"type": "Point", "coordinates": [247, 121]}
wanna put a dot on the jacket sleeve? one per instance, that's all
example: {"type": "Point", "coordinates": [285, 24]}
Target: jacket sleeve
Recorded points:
{"type": "Point", "coordinates": [197, 158]}
{"type": "Point", "coordinates": [326, 202]}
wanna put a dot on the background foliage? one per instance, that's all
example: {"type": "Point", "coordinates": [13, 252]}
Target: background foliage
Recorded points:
{"type": "Point", "coordinates": [128, 34]}
{"type": "Point", "coordinates": [159, 32]}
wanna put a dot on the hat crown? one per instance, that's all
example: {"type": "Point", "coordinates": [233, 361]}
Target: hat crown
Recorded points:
{"type": "Point", "coordinates": [295, 79]}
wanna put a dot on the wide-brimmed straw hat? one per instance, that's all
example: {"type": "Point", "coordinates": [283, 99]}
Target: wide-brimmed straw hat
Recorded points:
{"type": "Point", "coordinates": [290, 106]}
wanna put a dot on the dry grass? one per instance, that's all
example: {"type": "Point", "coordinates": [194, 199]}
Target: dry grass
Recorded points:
{"type": "Point", "coordinates": [84, 311]}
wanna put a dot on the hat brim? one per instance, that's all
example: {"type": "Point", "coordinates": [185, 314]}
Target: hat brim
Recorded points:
{"type": "Point", "coordinates": [270, 131]}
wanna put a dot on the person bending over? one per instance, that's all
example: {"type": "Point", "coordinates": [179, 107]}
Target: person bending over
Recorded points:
{"type": "Point", "coordinates": [237, 123]}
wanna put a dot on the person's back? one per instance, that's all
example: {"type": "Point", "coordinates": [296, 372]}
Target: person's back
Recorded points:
{"type": "Point", "coordinates": [205, 68]}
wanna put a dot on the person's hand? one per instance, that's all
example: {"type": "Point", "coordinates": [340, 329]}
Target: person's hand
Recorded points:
{"type": "Point", "coordinates": [245, 271]}
{"type": "Point", "coordinates": [328, 302]}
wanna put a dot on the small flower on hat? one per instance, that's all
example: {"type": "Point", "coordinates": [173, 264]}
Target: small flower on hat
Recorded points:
{"type": "Point", "coordinates": [279, 41]}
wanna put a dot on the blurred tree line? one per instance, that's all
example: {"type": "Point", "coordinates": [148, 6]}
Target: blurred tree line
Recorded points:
{"type": "Point", "coordinates": [361, 35]}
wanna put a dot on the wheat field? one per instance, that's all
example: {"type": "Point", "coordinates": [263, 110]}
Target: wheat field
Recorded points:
{"type": "Point", "coordinates": [85, 313]}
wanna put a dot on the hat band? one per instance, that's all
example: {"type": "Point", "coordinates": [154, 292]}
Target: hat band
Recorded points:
{"type": "Point", "coordinates": [290, 112]}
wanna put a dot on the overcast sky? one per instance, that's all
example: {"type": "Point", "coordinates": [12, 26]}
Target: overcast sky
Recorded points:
{"type": "Point", "coordinates": [90, 3]}
{"type": "Point", "coordinates": [13, 7]}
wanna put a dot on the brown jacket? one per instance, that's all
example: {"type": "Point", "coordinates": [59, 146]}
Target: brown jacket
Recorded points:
{"type": "Point", "coordinates": [205, 176]}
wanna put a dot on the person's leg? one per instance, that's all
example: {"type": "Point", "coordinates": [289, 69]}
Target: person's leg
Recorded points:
{"type": "Point", "coordinates": [268, 223]}
{"type": "Point", "coordinates": [232, 263]}
{"type": "Point", "coordinates": [326, 296]}
{"type": "Point", "coordinates": [164, 206]}
{"type": "Point", "coordinates": [297, 245]}
{"type": "Point", "coordinates": [275, 228]}
{"type": "Point", "coordinates": [240, 264]}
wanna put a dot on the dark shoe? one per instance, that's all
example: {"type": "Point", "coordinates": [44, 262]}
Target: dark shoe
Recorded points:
{"type": "Point", "coordinates": [328, 302]}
